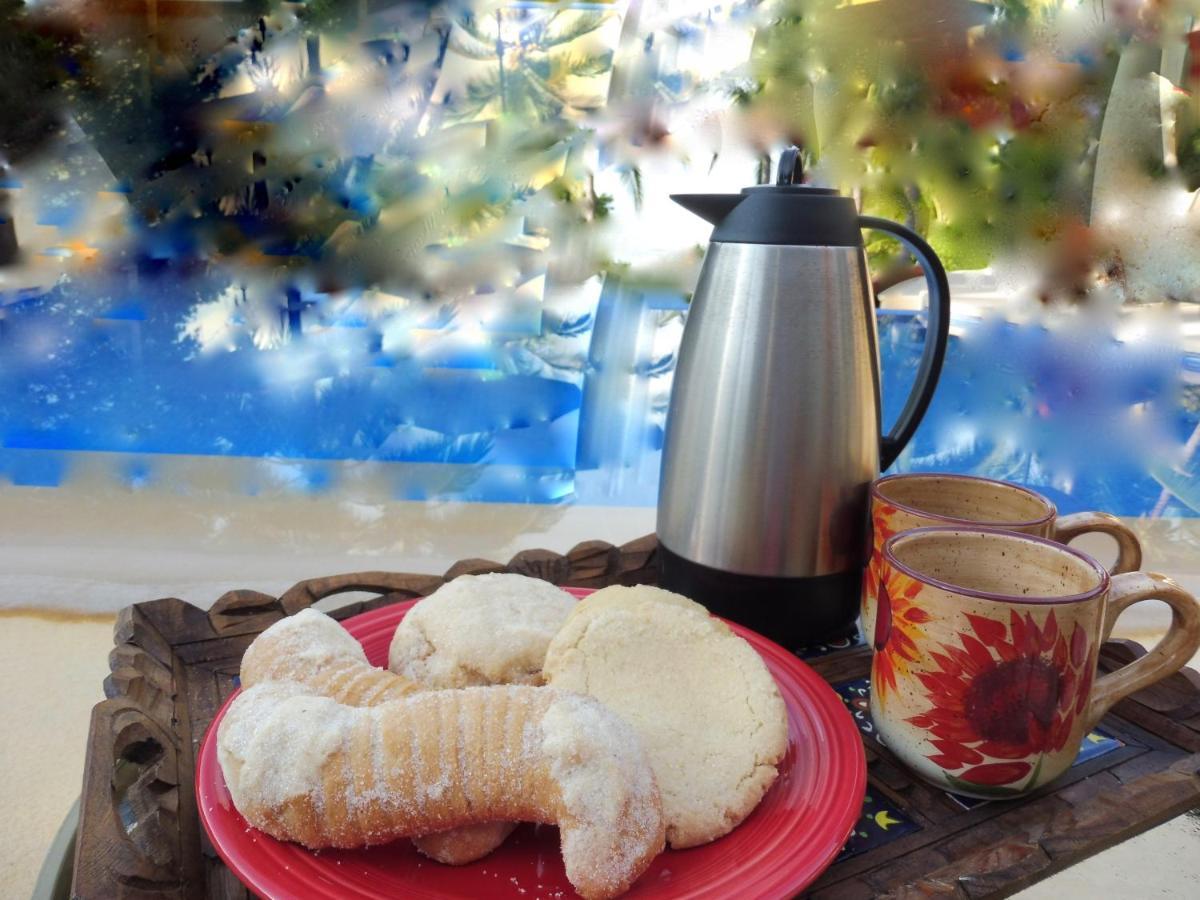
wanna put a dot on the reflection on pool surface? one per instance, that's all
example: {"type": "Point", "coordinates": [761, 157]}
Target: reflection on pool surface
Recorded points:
{"type": "Point", "coordinates": [1092, 421]}
{"type": "Point", "coordinates": [561, 401]}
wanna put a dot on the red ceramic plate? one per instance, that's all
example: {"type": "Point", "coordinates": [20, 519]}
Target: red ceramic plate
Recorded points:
{"type": "Point", "coordinates": [783, 846]}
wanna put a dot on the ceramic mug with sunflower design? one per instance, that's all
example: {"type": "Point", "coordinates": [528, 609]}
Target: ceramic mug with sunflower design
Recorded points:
{"type": "Point", "coordinates": [986, 642]}
{"type": "Point", "coordinates": [914, 500]}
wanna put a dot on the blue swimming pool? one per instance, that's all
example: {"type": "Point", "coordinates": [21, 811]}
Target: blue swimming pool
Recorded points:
{"type": "Point", "coordinates": [563, 403]}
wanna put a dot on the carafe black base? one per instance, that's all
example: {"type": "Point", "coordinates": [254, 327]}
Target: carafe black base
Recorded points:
{"type": "Point", "coordinates": [793, 612]}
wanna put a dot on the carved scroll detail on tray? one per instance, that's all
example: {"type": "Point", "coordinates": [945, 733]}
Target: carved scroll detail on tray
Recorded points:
{"type": "Point", "coordinates": [130, 804]}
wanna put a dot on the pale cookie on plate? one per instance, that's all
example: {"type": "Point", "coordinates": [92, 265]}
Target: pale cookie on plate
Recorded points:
{"type": "Point", "coordinates": [304, 768]}
{"type": "Point", "coordinates": [618, 596]}
{"type": "Point", "coordinates": [700, 697]}
{"type": "Point", "coordinates": [480, 630]}
{"type": "Point", "coordinates": [477, 630]}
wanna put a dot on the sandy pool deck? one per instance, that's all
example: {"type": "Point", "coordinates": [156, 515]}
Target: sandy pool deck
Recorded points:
{"type": "Point", "coordinates": [53, 668]}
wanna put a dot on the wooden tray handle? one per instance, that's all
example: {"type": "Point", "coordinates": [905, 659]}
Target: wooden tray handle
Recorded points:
{"type": "Point", "coordinates": [306, 593]}
{"type": "Point", "coordinates": [589, 564]}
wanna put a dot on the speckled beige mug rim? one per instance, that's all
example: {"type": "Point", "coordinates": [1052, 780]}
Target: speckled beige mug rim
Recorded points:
{"type": "Point", "coordinates": [877, 493]}
{"type": "Point", "coordinates": [1101, 588]}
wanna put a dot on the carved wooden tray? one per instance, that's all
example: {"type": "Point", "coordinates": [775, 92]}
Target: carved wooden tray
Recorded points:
{"type": "Point", "coordinates": [173, 665]}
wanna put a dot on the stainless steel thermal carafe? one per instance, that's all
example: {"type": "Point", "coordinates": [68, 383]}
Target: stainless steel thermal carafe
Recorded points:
{"type": "Point", "coordinates": [773, 432]}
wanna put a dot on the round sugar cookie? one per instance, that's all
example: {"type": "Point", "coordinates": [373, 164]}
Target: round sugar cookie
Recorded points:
{"type": "Point", "coordinates": [618, 596]}
{"type": "Point", "coordinates": [479, 630]}
{"type": "Point", "coordinates": [700, 698]}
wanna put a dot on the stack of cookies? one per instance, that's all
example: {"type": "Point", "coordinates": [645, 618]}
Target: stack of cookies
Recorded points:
{"type": "Point", "coordinates": [631, 719]}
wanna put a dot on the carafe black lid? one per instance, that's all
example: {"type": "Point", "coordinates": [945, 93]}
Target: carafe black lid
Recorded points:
{"type": "Point", "coordinates": [786, 212]}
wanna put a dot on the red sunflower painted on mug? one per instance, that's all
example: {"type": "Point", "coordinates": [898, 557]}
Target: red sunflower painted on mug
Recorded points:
{"type": "Point", "coordinates": [1005, 696]}
{"type": "Point", "coordinates": [898, 622]}
{"type": "Point", "coordinates": [884, 524]}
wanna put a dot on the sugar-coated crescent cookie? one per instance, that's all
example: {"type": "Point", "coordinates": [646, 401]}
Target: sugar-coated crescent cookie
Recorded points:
{"type": "Point", "coordinates": [312, 650]}
{"type": "Point", "coordinates": [304, 768]}
{"type": "Point", "coordinates": [479, 630]}
{"type": "Point", "coordinates": [700, 697]}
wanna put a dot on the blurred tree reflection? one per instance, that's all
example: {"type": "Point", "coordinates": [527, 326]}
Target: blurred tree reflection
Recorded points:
{"type": "Point", "coordinates": [981, 125]}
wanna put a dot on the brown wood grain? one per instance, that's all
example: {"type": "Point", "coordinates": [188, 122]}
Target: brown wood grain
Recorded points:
{"type": "Point", "coordinates": [306, 593]}
{"type": "Point", "coordinates": [173, 665]}
{"type": "Point", "coordinates": [473, 567]}
{"type": "Point", "coordinates": [591, 562]}
{"type": "Point", "coordinates": [544, 564]}
{"type": "Point", "coordinates": [131, 845]}
{"type": "Point", "coordinates": [248, 611]}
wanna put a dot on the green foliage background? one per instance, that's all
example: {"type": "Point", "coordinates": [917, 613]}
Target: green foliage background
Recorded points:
{"type": "Point", "coordinates": [942, 136]}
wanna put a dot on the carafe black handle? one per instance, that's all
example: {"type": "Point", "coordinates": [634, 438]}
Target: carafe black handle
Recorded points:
{"type": "Point", "coordinates": [935, 338]}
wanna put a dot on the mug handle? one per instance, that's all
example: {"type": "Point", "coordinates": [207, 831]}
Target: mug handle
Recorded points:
{"type": "Point", "coordinates": [1129, 549]}
{"type": "Point", "coordinates": [1168, 656]}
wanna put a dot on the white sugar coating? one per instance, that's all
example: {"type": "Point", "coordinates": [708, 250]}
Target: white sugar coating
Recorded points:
{"type": "Point", "coordinates": [498, 748]}
{"type": "Point", "coordinates": [274, 741]}
{"type": "Point", "coordinates": [701, 699]}
{"type": "Point", "coordinates": [308, 637]}
{"type": "Point", "coordinates": [606, 783]}
{"type": "Point", "coordinates": [618, 595]}
{"type": "Point", "coordinates": [480, 630]}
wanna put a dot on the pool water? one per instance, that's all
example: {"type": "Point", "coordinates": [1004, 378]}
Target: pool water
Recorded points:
{"type": "Point", "coordinates": [559, 403]}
